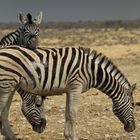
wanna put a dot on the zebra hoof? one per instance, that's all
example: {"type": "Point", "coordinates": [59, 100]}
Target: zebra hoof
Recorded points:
{"type": "Point", "coordinates": [6, 138]}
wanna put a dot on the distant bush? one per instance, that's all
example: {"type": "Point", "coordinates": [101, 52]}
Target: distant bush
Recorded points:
{"type": "Point", "coordinates": [93, 24]}
{"type": "Point", "coordinates": [81, 24]}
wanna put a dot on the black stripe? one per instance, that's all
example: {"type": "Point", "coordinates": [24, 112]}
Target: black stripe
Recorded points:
{"type": "Point", "coordinates": [54, 56]}
{"type": "Point", "coordinates": [10, 70]}
{"type": "Point", "coordinates": [110, 82]}
{"type": "Point", "coordinates": [40, 55]}
{"type": "Point", "coordinates": [112, 89]}
{"type": "Point", "coordinates": [19, 62]}
{"type": "Point", "coordinates": [121, 91]}
{"type": "Point", "coordinates": [46, 68]}
{"type": "Point", "coordinates": [71, 61]}
{"type": "Point", "coordinates": [37, 69]}
{"type": "Point", "coordinates": [60, 52]}
{"type": "Point", "coordinates": [117, 91]}
{"type": "Point", "coordinates": [78, 61]}
{"type": "Point", "coordinates": [62, 65]}
{"type": "Point", "coordinates": [99, 76]}
{"type": "Point", "coordinates": [93, 69]}
{"type": "Point", "coordinates": [105, 81]}
{"type": "Point", "coordinates": [87, 69]}
{"type": "Point", "coordinates": [5, 42]}
{"type": "Point", "coordinates": [82, 68]}
{"type": "Point", "coordinates": [99, 72]}
{"type": "Point", "coordinates": [72, 78]}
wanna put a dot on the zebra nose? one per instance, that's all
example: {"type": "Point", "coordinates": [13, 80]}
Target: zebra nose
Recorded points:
{"type": "Point", "coordinates": [43, 122]}
{"type": "Point", "coordinates": [130, 126]}
{"type": "Point", "coordinates": [40, 127]}
{"type": "Point", "coordinates": [32, 37]}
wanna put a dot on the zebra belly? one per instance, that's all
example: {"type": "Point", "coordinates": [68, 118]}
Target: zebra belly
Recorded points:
{"type": "Point", "coordinates": [53, 92]}
{"type": "Point", "coordinates": [47, 91]}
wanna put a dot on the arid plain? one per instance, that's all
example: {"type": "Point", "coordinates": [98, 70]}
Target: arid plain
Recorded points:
{"type": "Point", "coordinates": [95, 120]}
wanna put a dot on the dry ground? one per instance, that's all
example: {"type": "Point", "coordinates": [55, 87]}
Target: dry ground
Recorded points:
{"type": "Point", "coordinates": [95, 118]}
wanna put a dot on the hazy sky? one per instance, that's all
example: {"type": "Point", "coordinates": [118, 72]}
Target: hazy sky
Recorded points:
{"type": "Point", "coordinates": [58, 10]}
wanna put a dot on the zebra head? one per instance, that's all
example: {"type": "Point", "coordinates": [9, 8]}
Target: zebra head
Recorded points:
{"type": "Point", "coordinates": [33, 110]}
{"type": "Point", "coordinates": [29, 31]}
{"type": "Point", "coordinates": [123, 109]}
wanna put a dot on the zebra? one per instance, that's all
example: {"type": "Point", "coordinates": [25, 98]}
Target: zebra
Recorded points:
{"type": "Point", "coordinates": [32, 106]}
{"type": "Point", "coordinates": [54, 71]}
{"type": "Point", "coordinates": [26, 35]}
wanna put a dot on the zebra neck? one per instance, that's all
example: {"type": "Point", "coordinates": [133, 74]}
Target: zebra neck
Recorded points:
{"type": "Point", "coordinates": [11, 38]}
{"type": "Point", "coordinates": [108, 78]}
{"type": "Point", "coordinates": [24, 96]}
{"type": "Point", "coordinates": [17, 37]}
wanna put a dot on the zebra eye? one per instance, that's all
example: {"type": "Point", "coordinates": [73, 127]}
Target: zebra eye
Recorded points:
{"type": "Point", "coordinates": [38, 101]}
{"type": "Point", "coordinates": [24, 30]}
{"type": "Point", "coordinates": [38, 30]}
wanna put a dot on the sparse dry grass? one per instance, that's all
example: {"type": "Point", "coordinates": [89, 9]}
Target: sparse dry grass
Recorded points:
{"type": "Point", "coordinates": [95, 118]}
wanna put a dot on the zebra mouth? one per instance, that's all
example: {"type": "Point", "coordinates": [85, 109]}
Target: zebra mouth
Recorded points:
{"type": "Point", "coordinates": [32, 44]}
{"type": "Point", "coordinates": [39, 128]}
{"type": "Point", "coordinates": [129, 126]}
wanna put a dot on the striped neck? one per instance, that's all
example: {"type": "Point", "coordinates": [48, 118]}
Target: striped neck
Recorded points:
{"type": "Point", "coordinates": [25, 97]}
{"type": "Point", "coordinates": [107, 77]}
{"type": "Point", "coordinates": [11, 38]}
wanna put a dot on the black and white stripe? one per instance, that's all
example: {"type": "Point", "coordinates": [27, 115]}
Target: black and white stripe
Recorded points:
{"type": "Point", "coordinates": [48, 72]}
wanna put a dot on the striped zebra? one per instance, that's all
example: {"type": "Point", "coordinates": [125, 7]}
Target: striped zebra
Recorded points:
{"type": "Point", "coordinates": [27, 36]}
{"type": "Point", "coordinates": [54, 71]}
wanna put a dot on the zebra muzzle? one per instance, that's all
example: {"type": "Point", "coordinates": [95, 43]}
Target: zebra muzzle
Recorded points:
{"type": "Point", "coordinates": [33, 42]}
{"type": "Point", "coordinates": [39, 128]}
{"type": "Point", "coordinates": [130, 126]}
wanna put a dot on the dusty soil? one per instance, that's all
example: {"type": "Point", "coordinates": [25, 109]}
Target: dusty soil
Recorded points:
{"type": "Point", "coordinates": [95, 120]}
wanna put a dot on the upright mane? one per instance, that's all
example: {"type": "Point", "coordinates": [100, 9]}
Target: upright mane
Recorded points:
{"type": "Point", "coordinates": [29, 17]}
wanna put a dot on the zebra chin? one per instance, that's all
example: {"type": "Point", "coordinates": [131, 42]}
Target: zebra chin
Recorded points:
{"type": "Point", "coordinates": [33, 43]}
{"type": "Point", "coordinates": [39, 128]}
{"type": "Point", "coordinates": [130, 126]}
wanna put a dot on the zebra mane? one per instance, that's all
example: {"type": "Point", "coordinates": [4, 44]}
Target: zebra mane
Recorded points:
{"type": "Point", "coordinates": [105, 62]}
{"type": "Point", "coordinates": [29, 17]}
{"type": "Point", "coordinates": [85, 50]}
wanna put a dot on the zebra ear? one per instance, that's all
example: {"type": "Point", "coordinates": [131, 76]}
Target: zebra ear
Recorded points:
{"type": "Point", "coordinates": [22, 19]}
{"type": "Point", "coordinates": [132, 88]}
{"type": "Point", "coordinates": [38, 100]}
{"type": "Point", "coordinates": [38, 18]}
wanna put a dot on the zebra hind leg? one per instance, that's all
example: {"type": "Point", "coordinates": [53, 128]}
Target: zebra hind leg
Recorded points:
{"type": "Point", "coordinates": [5, 102]}
{"type": "Point", "coordinates": [6, 129]}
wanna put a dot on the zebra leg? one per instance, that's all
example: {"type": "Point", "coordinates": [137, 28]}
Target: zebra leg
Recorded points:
{"type": "Point", "coordinates": [6, 95]}
{"type": "Point", "coordinates": [71, 112]}
{"type": "Point", "coordinates": [6, 129]}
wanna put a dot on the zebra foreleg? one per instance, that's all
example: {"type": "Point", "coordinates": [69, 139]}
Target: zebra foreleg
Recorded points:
{"type": "Point", "coordinates": [71, 112]}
